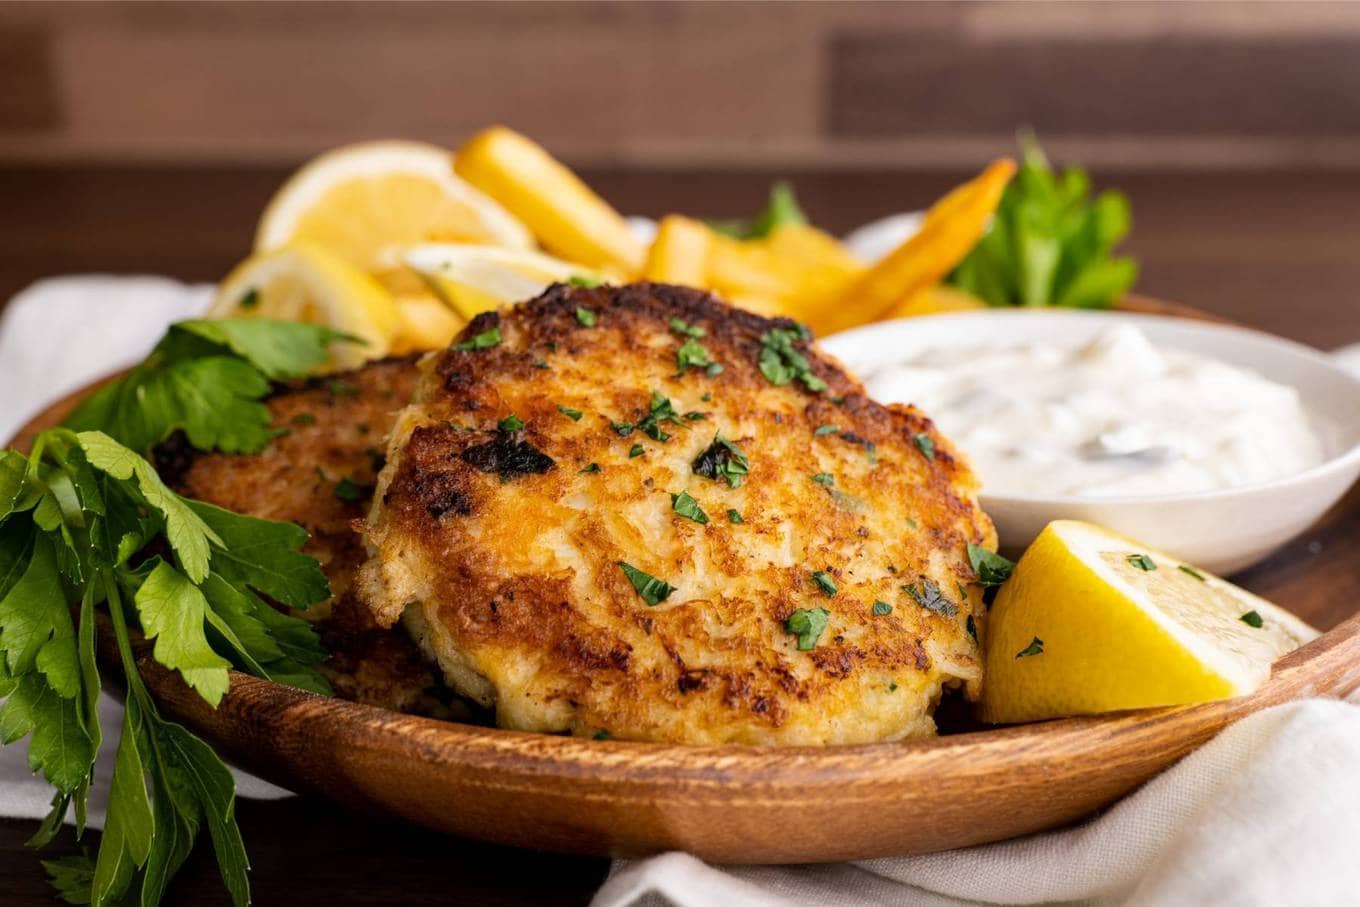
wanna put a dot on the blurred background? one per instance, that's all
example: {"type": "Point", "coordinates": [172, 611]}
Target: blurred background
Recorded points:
{"type": "Point", "coordinates": [146, 137]}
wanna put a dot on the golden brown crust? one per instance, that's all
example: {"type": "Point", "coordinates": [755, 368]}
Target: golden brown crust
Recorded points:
{"type": "Point", "coordinates": [509, 541]}
{"type": "Point", "coordinates": [335, 429]}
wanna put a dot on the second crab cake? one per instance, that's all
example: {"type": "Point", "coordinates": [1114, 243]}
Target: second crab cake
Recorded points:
{"type": "Point", "coordinates": [637, 511]}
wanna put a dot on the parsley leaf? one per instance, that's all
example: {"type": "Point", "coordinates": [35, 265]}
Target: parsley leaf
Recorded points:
{"type": "Point", "coordinates": [1252, 619]}
{"type": "Point", "coordinates": [1050, 242]}
{"type": "Point", "coordinates": [636, 450]}
{"type": "Point", "coordinates": [991, 568]}
{"type": "Point", "coordinates": [808, 625]}
{"type": "Point", "coordinates": [781, 210]}
{"type": "Point", "coordinates": [692, 354]}
{"type": "Point", "coordinates": [925, 444]}
{"type": "Point", "coordinates": [483, 341]}
{"type": "Point", "coordinates": [206, 378]}
{"type": "Point", "coordinates": [824, 582]}
{"type": "Point", "coordinates": [172, 611]}
{"type": "Point", "coordinates": [572, 414]}
{"type": "Point", "coordinates": [928, 595]}
{"type": "Point", "coordinates": [686, 330]}
{"type": "Point", "coordinates": [661, 411]}
{"type": "Point", "coordinates": [1035, 647]}
{"type": "Point", "coordinates": [585, 317]}
{"type": "Point", "coordinates": [588, 469]}
{"type": "Point", "coordinates": [734, 516]}
{"type": "Point", "coordinates": [781, 362]}
{"type": "Point", "coordinates": [825, 430]}
{"type": "Point", "coordinates": [511, 422]}
{"type": "Point", "coordinates": [1186, 568]}
{"type": "Point", "coordinates": [882, 608]}
{"type": "Point", "coordinates": [689, 508]}
{"type": "Point", "coordinates": [722, 460]}
{"type": "Point", "coordinates": [584, 281]}
{"type": "Point", "coordinates": [1142, 562]}
{"type": "Point", "coordinates": [652, 590]}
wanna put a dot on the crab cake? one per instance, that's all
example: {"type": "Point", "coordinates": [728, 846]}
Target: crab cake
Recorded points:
{"type": "Point", "coordinates": [319, 473]}
{"type": "Point", "coordinates": [641, 512]}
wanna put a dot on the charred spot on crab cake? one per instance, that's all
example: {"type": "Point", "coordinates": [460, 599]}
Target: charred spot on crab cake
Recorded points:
{"type": "Point", "coordinates": [639, 510]}
{"type": "Point", "coordinates": [320, 473]}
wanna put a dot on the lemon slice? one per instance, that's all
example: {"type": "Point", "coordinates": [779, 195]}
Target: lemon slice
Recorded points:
{"type": "Point", "coordinates": [369, 201]}
{"type": "Point", "coordinates": [1093, 622]}
{"type": "Point", "coordinates": [303, 282]}
{"type": "Point", "coordinates": [475, 279]}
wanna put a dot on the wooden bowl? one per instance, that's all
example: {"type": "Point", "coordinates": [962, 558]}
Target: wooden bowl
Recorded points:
{"type": "Point", "coordinates": [761, 805]}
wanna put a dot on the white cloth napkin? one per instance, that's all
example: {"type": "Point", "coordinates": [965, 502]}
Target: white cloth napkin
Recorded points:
{"type": "Point", "coordinates": [1267, 813]}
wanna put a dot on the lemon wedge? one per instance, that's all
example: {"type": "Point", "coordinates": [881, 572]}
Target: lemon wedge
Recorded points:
{"type": "Point", "coordinates": [1093, 622]}
{"type": "Point", "coordinates": [303, 282]}
{"type": "Point", "coordinates": [367, 202]}
{"type": "Point", "coordinates": [474, 279]}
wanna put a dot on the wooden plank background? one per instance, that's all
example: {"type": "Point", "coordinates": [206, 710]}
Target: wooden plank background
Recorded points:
{"type": "Point", "coordinates": [688, 85]}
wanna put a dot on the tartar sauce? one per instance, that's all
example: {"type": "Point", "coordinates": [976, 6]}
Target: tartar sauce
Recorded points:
{"type": "Point", "coordinates": [1114, 417]}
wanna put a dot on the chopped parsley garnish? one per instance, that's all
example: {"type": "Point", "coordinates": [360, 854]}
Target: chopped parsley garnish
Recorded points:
{"type": "Point", "coordinates": [824, 582]}
{"type": "Point", "coordinates": [485, 340]}
{"type": "Point", "coordinates": [652, 590]}
{"type": "Point", "coordinates": [661, 411]}
{"type": "Point", "coordinates": [540, 363]}
{"type": "Point", "coordinates": [601, 734]}
{"type": "Point", "coordinates": [686, 330]}
{"type": "Point", "coordinates": [991, 568]}
{"type": "Point", "coordinates": [623, 429]}
{"type": "Point", "coordinates": [722, 460]}
{"type": "Point", "coordinates": [824, 478]}
{"type": "Point", "coordinates": [695, 416]}
{"type": "Point", "coordinates": [734, 516]}
{"type": "Point", "coordinates": [1142, 562]}
{"type": "Point", "coordinates": [584, 281]}
{"type": "Point", "coordinates": [714, 369]}
{"type": "Point", "coordinates": [1035, 647]}
{"type": "Point", "coordinates": [708, 395]}
{"type": "Point", "coordinates": [807, 624]}
{"type": "Point", "coordinates": [349, 490]}
{"type": "Point", "coordinates": [1252, 619]}
{"type": "Point", "coordinates": [780, 362]}
{"type": "Point", "coordinates": [585, 317]}
{"type": "Point", "coordinates": [689, 508]}
{"type": "Point", "coordinates": [827, 429]}
{"type": "Point", "coordinates": [511, 422]}
{"type": "Point", "coordinates": [250, 299]}
{"type": "Point", "coordinates": [1186, 568]}
{"type": "Point", "coordinates": [882, 608]}
{"type": "Point", "coordinates": [342, 388]}
{"type": "Point", "coordinates": [572, 414]}
{"type": "Point", "coordinates": [892, 687]}
{"type": "Point", "coordinates": [692, 354]}
{"type": "Point", "coordinates": [925, 444]}
{"type": "Point", "coordinates": [593, 467]}
{"type": "Point", "coordinates": [929, 596]}
{"type": "Point", "coordinates": [303, 419]}
{"type": "Point", "coordinates": [971, 627]}
{"type": "Point", "coordinates": [636, 450]}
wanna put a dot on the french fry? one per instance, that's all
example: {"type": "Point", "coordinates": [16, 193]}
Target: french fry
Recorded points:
{"type": "Point", "coordinates": [680, 252]}
{"type": "Point", "coordinates": [952, 227]}
{"type": "Point", "coordinates": [793, 266]}
{"type": "Point", "coordinates": [563, 213]}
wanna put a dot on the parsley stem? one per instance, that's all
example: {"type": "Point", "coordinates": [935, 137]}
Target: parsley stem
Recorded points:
{"type": "Point", "coordinates": [120, 633]}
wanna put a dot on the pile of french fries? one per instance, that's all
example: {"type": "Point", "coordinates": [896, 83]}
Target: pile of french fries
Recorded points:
{"type": "Point", "coordinates": [796, 270]}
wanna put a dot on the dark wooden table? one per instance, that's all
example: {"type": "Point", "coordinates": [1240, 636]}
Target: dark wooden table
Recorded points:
{"type": "Point", "coordinates": [1273, 250]}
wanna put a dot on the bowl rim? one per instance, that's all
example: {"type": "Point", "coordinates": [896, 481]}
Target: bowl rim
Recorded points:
{"type": "Point", "coordinates": [1338, 463]}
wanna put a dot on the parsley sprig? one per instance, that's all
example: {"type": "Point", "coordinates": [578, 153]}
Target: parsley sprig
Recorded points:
{"type": "Point", "coordinates": [206, 378]}
{"type": "Point", "coordinates": [86, 524]}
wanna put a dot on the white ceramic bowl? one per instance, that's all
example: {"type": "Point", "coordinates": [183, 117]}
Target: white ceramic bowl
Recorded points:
{"type": "Point", "coordinates": [1221, 531]}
